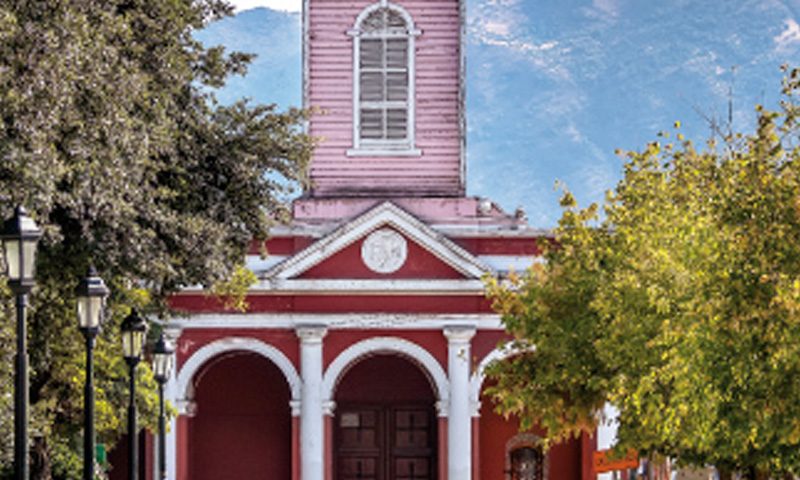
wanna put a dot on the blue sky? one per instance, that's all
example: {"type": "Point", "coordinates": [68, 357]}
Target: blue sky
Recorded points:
{"type": "Point", "coordinates": [554, 88]}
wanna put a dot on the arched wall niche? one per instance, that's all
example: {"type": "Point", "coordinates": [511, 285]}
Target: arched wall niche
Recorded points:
{"type": "Point", "coordinates": [217, 350]}
{"type": "Point", "coordinates": [386, 345]}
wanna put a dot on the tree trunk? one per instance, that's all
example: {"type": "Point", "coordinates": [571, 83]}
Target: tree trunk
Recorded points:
{"type": "Point", "coordinates": [753, 473]}
{"type": "Point", "coordinates": [724, 474]}
{"type": "Point", "coordinates": [40, 460]}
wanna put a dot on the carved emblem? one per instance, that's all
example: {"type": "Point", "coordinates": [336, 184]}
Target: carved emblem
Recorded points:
{"type": "Point", "coordinates": [384, 251]}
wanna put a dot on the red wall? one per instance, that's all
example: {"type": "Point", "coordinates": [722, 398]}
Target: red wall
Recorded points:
{"type": "Point", "coordinates": [347, 263]}
{"type": "Point", "coordinates": [346, 303]}
{"type": "Point", "coordinates": [118, 457]}
{"type": "Point", "coordinates": [284, 340]}
{"type": "Point", "coordinates": [500, 246]}
{"type": "Point", "coordinates": [484, 342]}
{"type": "Point", "coordinates": [243, 426]}
{"type": "Point", "coordinates": [383, 379]}
{"type": "Point", "coordinates": [495, 431]}
{"type": "Point", "coordinates": [337, 341]}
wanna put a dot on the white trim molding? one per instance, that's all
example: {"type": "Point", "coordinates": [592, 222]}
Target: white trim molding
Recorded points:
{"type": "Point", "coordinates": [462, 93]}
{"type": "Point", "coordinates": [185, 380]}
{"type": "Point", "coordinates": [383, 214]}
{"type": "Point", "coordinates": [370, 286]}
{"type": "Point", "coordinates": [421, 357]}
{"type": "Point", "coordinates": [350, 321]}
{"type": "Point", "coordinates": [479, 375]}
{"type": "Point", "coordinates": [385, 147]}
{"type": "Point", "coordinates": [383, 152]}
{"type": "Point", "coordinates": [507, 263]}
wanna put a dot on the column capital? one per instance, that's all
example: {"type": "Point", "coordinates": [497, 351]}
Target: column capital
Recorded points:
{"type": "Point", "coordinates": [442, 408]}
{"type": "Point", "coordinates": [171, 334]}
{"type": "Point", "coordinates": [459, 334]}
{"type": "Point", "coordinates": [475, 409]}
{"type": "Point", "coordinates": [329, 408]}
{"type": "Point", "coordinates": [310, 334]}
{"type": "Point", "coordinates": [295, 406]}
{"type": "Point", "coordinates": [186, 407]}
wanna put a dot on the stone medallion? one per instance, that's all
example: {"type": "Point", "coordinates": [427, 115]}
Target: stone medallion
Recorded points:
{"type": "Point", "coordinates": [384, 251]}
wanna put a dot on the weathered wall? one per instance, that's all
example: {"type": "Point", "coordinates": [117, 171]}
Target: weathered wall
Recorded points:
{"type": "Point", "coordinates": [243, 426]}
{"type": "Point", "coordinates": [438, 123]}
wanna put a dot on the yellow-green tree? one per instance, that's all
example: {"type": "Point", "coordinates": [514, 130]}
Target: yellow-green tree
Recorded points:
{"type": "Point", "coordinates": [680, 305]}
{"type": "Point", "coordinates": [109, 137]}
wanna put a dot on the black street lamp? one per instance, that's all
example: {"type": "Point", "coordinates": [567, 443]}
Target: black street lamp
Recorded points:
{"type": "Point", "coordinates": [20, 236]}
{"type": "Point", "coordinates": [134, 329]}
{"type": "Point", "coordinates": [162, 367]}
{"type": "Point", "coordinates": [91, 293]}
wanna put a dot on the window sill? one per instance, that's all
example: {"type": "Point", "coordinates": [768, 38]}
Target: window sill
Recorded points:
{"type": "Point", "coordinates": [383, 152]}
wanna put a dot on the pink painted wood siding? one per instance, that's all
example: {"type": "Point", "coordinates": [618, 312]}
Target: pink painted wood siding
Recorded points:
{"type": "Point", "coordinates": [438, 171]}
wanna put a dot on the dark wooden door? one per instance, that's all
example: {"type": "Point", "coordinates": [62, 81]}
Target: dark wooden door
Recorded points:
{"type": "Point", "coordinates": [385, 443]}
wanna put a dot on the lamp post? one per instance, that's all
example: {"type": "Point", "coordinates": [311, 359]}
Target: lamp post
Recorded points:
{"type": "Point", "coordinates": [134, 329]}
{"type": "Point", "coordinates": [91, 294]}
{"type": "Point", "coordinates": [162, 367]}
{"type": "Point", "coordinates": [20, 236]}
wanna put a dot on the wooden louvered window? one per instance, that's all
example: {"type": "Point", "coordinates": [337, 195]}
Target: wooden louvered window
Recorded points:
{"type": "Point", "coordinates": [383, 90]}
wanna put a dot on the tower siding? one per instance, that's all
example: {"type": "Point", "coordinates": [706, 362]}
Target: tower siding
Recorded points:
{"type": "Point", "coordinates": [437, 171]}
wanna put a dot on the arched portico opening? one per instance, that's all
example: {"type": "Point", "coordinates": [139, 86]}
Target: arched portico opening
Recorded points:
{"type": "Point", "coordinates": [242, 424]}
{"type": "Point", "coordinates": [385, 425]}
{"type": "Point", "coordinates": [506, 452]}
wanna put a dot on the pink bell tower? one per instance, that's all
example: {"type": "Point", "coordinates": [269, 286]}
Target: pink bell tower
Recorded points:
{"type": "Point", "coordinates": [385, 83]}
{"type": "Point", "coordinates": [363, 348]}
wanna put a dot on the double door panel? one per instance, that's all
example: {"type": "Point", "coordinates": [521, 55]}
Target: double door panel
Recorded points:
{"type": "Point", "coordinates": [385, 443]}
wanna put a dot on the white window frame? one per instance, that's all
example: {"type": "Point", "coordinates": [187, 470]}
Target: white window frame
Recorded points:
{"type": "Point", "coordinates": [384, 147]}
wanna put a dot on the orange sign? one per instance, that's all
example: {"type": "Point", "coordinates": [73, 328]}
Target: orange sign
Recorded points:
{"type": "Point", "coordinates": [604, 463]}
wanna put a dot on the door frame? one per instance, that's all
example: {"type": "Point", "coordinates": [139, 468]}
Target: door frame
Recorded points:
{"type": "Point", "coordinates": [385, 428]}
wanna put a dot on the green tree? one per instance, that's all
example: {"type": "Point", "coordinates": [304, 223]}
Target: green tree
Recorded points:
{"type": "Point", "coordinates": [111, 139]}
{"type": "Point", "coordinates": [680, 306]}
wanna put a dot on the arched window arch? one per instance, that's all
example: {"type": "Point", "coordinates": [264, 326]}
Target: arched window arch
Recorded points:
{"type": "Point", "coordinates": [383, 81]}
{"type": "Point", "coordinates": [527, 463]}
{"type": "Point", "coordinates": [525, 459]}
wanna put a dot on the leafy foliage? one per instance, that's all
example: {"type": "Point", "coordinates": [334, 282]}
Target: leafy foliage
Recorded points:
{"type": "Point", "coordinates": [108, 135]}
{"type": "Point", "coordinates": [680, 305]}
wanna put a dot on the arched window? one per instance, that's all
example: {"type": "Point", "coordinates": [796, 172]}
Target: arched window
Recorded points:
{"type": "Point", "coordinates": [527, 464]}
{"type": "Point", "coordinates": [525, 459]}
{"type": "Point", "coordinates": [383, 81]}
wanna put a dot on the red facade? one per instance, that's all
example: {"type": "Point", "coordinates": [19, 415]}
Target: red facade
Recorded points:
{"type": "Point", "coordinates": [362, 352]}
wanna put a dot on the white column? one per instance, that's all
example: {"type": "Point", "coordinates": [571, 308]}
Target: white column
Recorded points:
{"type": "Point", "coordinates": [177, 400]}
{"type": "Point", "coordinates": [170, 438]}
{"type": "Point", "coordinates": [312, 426]}
{"type": "Point", "coordinates": [607, 434]}
{"type": "Point", "coordinates": [459, 421]}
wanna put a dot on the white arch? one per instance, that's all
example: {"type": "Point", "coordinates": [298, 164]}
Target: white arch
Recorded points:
{"type": "Point", "coordinates": [391, 6]}
{"type": "Point", "coordinates": [419, 355]}
{"type": "Point", "coordinates": [479, 375]}
{"type": "Point", "coordinates": [232, 344]}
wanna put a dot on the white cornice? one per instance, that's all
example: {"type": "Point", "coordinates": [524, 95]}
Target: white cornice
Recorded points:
{"type": "Point", "coordinates": [337, 321]}
{"type": "Point", "coordinates": [362, 287]}
{"type": "Point", "coordinates": [474, 229]}
{"type": "Point", "coordinates": [337, 286]}
{"type": "Point", "coordinates": [386, 213]}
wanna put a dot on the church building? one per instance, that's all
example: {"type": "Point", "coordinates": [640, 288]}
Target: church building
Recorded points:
{"type": "Point", "coordinates": [361, 354]}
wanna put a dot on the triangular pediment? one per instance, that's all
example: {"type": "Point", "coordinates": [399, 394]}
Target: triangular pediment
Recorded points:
{"type": "Point", "coordinates": [442, 257]}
